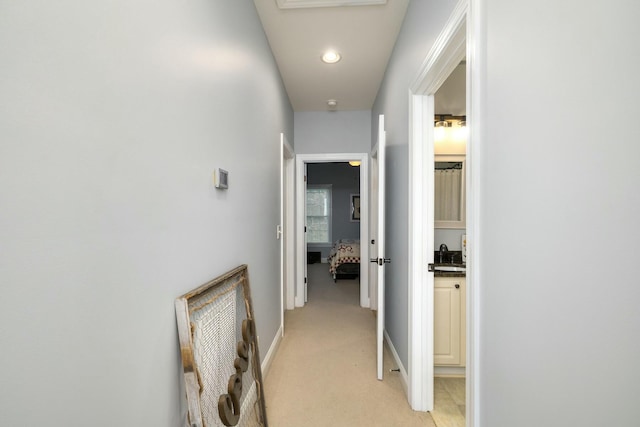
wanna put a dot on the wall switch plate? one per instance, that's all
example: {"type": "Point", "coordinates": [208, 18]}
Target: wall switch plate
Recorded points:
{"type": "Point", "coordinates": [221, 178]}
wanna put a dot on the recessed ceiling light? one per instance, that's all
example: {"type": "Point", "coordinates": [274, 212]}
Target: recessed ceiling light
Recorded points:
{"type": "Point", "coordinates": [331, 57]}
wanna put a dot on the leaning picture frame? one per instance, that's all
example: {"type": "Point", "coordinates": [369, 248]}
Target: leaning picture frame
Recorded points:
{"type": "Point", "coordinates": [220, 357]}
{"type": "Point", "coordinates": [355, 207]}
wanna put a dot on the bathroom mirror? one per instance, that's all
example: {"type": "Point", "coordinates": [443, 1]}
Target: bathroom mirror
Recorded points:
{"type": "Point", "coordinates": [449, 194]}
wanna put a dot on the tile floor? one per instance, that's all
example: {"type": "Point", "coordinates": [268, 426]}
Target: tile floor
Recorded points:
{"type": "Point", "coordinates": [449, 405]}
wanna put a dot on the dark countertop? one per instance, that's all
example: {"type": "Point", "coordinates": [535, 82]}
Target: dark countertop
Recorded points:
{"type": "Point", "coordinates": [448, 256]}
{"type": "Point", "coordinates": [449, 274]}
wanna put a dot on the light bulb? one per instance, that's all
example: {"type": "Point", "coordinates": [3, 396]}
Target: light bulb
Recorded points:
{"type": "Point", "coordinates": [331, 57]}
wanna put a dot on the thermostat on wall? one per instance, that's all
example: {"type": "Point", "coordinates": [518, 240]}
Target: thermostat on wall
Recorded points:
{"type": "Point", "coordinates": [221, 178]}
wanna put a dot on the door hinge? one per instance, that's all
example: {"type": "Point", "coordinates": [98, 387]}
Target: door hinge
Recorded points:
{"type": "Point", "coordinates": [305, 280]}
{"type": "Point", "coordinates": [305, 228]}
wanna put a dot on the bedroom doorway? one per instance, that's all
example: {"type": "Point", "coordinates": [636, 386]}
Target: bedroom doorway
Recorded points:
{"type": "Point", "coordinates": [302, 162]}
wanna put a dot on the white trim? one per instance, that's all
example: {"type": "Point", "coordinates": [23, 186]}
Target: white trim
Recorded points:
{"type": "Point", "coordinates": [290, 231]}
{"type": "Point", "coordinates": [301, 250]}
{"type": "Point", "coordinates": [374, 150]}
{"type": "Point", "coordinates": [287, 221]}
{"type": "Point", "coordinates": [298, 4]}
{"type": "Point", "coordinates": [446, 53]}
{"type": "Point", "coordinates": [420, 289]}
{"type": "Point", "coordinates": [273, 349]}
{"type": "Point", "coordinates": [476, 34]}
{"type": "Point", "coordinates": [449, 371]}
{"type": "Point", "coordinates": [396, 358]}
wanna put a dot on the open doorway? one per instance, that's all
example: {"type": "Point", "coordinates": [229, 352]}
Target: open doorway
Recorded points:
{"type": "Point", "coordinates": [354, 220]}
{"type": "Point", "coordinates": [333, 228]}
{"type": "Point", "coordinates": [448, 53]}
{"type": "Point", "coordinates": [449, 257]}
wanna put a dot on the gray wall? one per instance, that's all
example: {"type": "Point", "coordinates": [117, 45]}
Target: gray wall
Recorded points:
{"type": "Point", "coordinates": [113, 117]}
{"type": "Point", "coordinates": [333, 132]}
{"type": "Point", "coordinates": [422, 24]}
{"type": "Point", "coordinates": [344, 180]}
{"type": "Point", "coordinates": [557, 183]}
{"type": "Point", "coordinates": [559, 199]}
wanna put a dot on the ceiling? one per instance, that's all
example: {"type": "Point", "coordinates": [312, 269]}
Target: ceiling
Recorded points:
{"type": "Point", "coordinates": [300, 31]}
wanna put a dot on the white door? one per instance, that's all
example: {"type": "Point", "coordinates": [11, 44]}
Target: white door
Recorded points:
{"type": "Point", "coordinates": [373, 230]}
{"type": "Point", "coordinates": [306, 281]}
{"type": "Point", "coordinates": [380, 259]}
{"type": "Point", "coordinates": [279, 232]}
{"type": "Point", "coordinates": [285, 230]}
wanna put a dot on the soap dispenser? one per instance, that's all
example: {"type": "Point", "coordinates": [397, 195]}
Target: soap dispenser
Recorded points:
{"type": "Point", "coordinates": [464, 248]}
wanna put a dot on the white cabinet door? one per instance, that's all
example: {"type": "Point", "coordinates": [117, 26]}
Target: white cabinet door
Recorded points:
{"type": "Point", "coordinates": [449, 321]}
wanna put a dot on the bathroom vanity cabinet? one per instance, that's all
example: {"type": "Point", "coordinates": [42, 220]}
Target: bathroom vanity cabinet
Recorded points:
{"type": "Point", "coordinates": [450, 319]}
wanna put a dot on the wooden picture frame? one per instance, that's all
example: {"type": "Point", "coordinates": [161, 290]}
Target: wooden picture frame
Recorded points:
{"type": "Point", "coordinates": [221, 307]}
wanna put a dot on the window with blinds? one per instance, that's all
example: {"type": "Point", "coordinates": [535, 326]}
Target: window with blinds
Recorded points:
{"type": "Point", "coordinates": [319, 214]}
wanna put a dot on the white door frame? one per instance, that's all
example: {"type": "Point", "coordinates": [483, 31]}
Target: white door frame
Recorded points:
{"type": "Point", "coordinates": [453, 45]}
{"type": "Point", "coordinates": [301, 259]}
{"type": "Point", "coordinates": [373, 227]}
{"type": "Point", "coordinates": [287, 225]}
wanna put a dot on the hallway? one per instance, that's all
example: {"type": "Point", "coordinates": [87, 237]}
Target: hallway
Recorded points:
{"type": "Point", "coordinates": [324, 373]}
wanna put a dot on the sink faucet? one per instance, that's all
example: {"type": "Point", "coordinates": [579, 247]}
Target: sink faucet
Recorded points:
{"type": "Point", "coordinates": [443, 249]}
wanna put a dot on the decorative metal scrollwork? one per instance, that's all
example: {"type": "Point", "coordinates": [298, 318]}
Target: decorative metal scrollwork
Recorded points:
{"type": "Point", "coordinates": [229, 404]}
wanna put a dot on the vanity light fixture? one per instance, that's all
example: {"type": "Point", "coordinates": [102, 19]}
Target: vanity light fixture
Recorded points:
{"type": "Point", "coordinates": [450, 128]}
{"type": "Point", "coordinates": [440, 131]}
{"type": "Point", "coordinates": [331, 57]}
{"type": "Point", "coordinates": [459, 133]}
{"type": "Point", "coordinates": [442, 123]}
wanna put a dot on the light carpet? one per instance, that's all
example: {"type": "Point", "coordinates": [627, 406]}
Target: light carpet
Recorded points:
{"type": "Point", "coordinates": [324, 373]}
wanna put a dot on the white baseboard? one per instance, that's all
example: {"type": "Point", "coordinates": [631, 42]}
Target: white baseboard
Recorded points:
{"type": "Point", "coordinates": [273, 349]}
{"type": "Point", "coordinates": [449, 371]}
{"type": "Point", "coordinates": [403, 372]}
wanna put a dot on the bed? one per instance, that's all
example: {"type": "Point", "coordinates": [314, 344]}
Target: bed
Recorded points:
{"type": "Point", "coordinates": [344, 259]}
